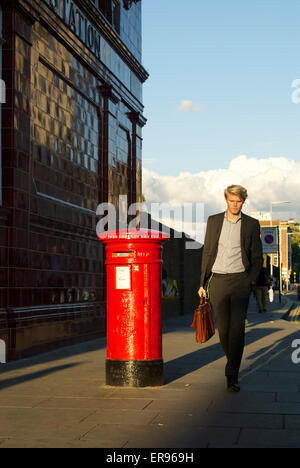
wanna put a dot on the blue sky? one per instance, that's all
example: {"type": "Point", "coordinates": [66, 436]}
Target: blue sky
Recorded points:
{"type": "Point", "coordinates": [235, 62]}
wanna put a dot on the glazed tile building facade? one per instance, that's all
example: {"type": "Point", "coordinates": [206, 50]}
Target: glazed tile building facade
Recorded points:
{"type": "Point", "coordinates": [71, 139]}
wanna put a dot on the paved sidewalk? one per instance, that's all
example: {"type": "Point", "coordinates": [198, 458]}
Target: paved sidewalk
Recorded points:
{"type": "Point", "coordinates": [59, 399]}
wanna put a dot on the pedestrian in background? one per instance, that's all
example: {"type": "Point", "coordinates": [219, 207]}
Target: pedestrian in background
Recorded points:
{"type": "Point", "coordinates": [263, 284]}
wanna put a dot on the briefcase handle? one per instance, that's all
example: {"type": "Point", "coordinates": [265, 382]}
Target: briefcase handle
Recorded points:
{"type": "Point", "coordinates": [203, 300]}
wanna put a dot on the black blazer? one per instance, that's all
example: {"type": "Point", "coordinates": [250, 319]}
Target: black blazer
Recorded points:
{"type": "Point", "coordinates": [251, 246]}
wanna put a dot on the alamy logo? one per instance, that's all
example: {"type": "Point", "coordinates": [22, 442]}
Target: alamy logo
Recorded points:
{"type": "Point", "coordinates": [186, 219]}
{"type": "Point", "coordinates": [2, 352]}
{"type": "Point", "coordinates": [2, 92]}
{"type": "Point", "coordinates": [296, 353]}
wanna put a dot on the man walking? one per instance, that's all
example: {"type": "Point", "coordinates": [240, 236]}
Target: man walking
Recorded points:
{"type": "Point", "coordinates": [263, 284]}
{"type": "Point", "coordinates": [231, 261]}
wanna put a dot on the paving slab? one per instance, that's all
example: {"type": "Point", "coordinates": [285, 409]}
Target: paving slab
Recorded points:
{"type": "Point", "coordinates": [271, 438]}
{"type": "Point", "coordinates": [97, 404]}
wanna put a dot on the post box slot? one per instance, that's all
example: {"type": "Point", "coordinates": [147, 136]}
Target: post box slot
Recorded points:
{"type": "Point", "coordinates": [123, 254]}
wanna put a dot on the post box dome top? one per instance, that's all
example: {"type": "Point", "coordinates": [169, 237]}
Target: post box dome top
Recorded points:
{"type": "Point", "coordinates": [133, 234]}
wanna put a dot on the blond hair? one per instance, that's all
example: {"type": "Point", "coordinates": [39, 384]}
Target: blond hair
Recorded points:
{"type": "Point", "coordinates": [236, 190]}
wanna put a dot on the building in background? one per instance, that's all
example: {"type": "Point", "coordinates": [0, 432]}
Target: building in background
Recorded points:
{"type": "Point", "coordinates": [71, 139]}
{"type": "Point", "coordinates": [284, 226]}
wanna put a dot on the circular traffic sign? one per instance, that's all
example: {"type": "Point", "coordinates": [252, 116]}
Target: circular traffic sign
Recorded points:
{"type": "Point", "coordinates": [269, 239]}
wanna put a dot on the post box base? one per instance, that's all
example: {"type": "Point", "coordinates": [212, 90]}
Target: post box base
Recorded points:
{"type": "Point", "coordinates": [148, 373]}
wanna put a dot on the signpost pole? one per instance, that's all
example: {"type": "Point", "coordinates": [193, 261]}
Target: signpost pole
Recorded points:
{"type": "Point", "coordinates": [279, 262]}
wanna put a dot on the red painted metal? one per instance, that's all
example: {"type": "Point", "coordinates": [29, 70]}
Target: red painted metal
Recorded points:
{"type": "Point", "coordinates": [133, 263]}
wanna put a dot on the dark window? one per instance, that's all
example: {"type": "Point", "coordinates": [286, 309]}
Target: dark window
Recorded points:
{"type": "Point", "coordinates": [128, 3]}
{"type": "Point", "coordinates": [111, 11]}
{"type": "Point", "coordinates": [116, 16]}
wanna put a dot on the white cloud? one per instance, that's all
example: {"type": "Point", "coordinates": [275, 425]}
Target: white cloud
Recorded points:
{"type": "Point", "coordinates": [270, 179]}
{"type": "Point", "coordinates": [149, 161]}
{"type": "Point", "coordinates": [189, 106]}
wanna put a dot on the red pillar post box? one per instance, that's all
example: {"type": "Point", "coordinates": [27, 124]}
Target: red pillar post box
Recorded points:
{"type": "Point", "coordinates": [134, 336]}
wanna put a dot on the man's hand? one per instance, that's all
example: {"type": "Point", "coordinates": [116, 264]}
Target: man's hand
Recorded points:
{"type": "Point", "coordinates": [202, 292]}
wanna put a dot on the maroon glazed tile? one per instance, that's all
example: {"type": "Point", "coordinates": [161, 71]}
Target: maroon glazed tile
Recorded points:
{"type": "Point", "coordinates": [8, 197]}
{"type": "Point", "coordinates": [14, 297]}
{"type": "Point", "coordinates": [7, 137]}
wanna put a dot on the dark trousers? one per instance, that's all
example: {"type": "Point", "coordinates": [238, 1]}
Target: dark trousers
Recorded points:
{"type": "Point", "coordinates": [261, 297]}
{"type": "Point", "coordinates": [229, 296]}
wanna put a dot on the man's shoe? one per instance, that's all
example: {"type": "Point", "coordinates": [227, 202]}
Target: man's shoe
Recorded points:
{"type": "Point", "coordinates": [232, 385]}
{"type": "Point", "coordinates": [233, 388]}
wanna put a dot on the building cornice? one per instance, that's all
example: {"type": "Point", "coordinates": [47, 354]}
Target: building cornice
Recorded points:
{"type": "Point", "coordinates": [32, 9]}
{"type": "Point", "coordinates": [137, 117]}
{"type": "Point", "coordinates": [112, 37]}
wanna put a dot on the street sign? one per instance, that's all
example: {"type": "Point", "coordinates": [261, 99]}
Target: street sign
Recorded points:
{"type": "Point", "coordinates": [269, 240]}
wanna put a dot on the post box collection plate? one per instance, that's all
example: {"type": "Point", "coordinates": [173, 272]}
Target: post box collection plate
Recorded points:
{"type": "Point", "coordinates": [123, 277]}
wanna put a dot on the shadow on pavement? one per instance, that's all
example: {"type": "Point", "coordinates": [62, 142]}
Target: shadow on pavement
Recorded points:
{"type": "Point", "coordinates": [183, 365]}
{"type": "Point", "coordinates": [35, 375]}
{"type": "Point", "coordinates": [60, 353]}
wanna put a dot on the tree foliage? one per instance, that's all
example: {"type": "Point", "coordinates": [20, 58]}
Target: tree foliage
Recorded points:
{"type": "Point", "coordinates": [296, 249]}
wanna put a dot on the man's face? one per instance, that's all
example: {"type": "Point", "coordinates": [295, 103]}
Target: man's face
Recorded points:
{"type": "Point", "coordinates": [234, 204]}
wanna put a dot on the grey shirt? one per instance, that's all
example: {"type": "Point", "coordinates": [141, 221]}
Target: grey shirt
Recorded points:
{"type": "Point", "coordinates": [229, 255]}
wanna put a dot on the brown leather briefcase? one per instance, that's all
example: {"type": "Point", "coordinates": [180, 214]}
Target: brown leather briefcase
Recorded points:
{"type": "Point", "coordinates": [203, 322]}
